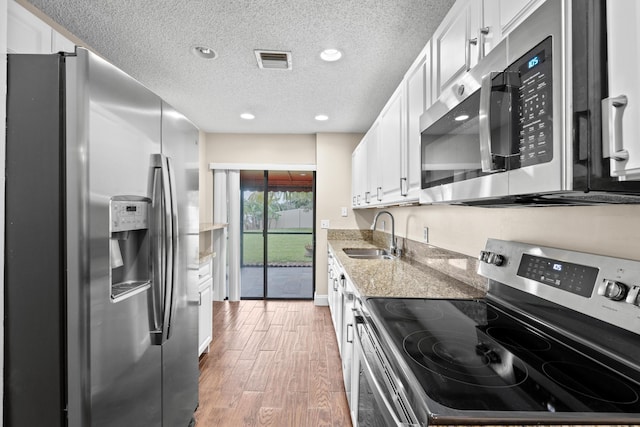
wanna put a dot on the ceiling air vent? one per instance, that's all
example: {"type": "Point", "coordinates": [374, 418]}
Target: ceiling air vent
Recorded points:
{"type": "Point", "coordinates": [272, 59]}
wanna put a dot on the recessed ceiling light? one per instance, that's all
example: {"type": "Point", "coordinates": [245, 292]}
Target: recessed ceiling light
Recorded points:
{"type": "Point", "coordinates": [204, 52]}
{"type": "Point", "coordinates": [322, 117]}
{"type": "Point", "coordinates": [330, 55]}
{"type": "Point", "coordinates": [247, 116]}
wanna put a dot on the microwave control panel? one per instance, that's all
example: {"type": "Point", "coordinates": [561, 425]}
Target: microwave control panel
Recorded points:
{"type": "Point", "coordinates": [535, 106]}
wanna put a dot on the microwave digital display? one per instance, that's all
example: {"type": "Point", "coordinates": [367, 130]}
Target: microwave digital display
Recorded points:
{"type": "Point", "coordinates": [533, 62]}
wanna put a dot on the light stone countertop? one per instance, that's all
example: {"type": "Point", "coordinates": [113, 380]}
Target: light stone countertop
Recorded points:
{"type": "Point", "coordinates": [403, 278]}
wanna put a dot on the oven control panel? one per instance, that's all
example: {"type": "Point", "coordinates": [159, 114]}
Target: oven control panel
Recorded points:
{"type": "Point", "coordinates": [602, 287]}
{"type": "Point", "coordinates": [575, 278]}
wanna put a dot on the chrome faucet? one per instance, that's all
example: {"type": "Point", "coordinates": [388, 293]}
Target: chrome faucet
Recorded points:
{"type": "Point", "coordinates": [393, 249]}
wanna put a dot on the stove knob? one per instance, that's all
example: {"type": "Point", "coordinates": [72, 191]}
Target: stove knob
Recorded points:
{"type": "Point", "coordinates": [613, 290]}
{"type": "Point", "coordinates": [633, 297]}
{"type": "Point", "coordinates": [495, 259]}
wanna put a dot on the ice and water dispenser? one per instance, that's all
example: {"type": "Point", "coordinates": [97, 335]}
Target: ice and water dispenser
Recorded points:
{"type": "Point", "coordinates": [129, 255]}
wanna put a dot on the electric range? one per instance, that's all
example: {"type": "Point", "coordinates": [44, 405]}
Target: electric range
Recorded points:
{"type": "Point", "coordinates": [554, 341]}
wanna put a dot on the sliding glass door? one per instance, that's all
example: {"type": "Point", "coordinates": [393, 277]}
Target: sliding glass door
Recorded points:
{"type": "Point", "coordinates": [277, 234]}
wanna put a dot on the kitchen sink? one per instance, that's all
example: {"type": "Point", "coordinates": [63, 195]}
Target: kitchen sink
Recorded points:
{"type": "Point", "coordinates": [368, 253]}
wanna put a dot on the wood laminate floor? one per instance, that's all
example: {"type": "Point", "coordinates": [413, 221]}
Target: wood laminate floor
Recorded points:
{"type": "Point", "coordinates": [272, 363]}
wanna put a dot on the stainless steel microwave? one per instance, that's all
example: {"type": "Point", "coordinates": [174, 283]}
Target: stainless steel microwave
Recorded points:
{"type": "Point", "coordinates": [525, 125]}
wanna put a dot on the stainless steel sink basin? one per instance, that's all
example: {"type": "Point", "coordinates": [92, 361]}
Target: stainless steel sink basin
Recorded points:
{"type": "Point", "coordinates": [368, 253]}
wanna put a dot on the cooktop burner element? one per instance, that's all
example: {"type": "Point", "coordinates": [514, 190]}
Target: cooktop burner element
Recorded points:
{"type": "Point", "coordinates": [591, 383]}
{"type": "Point", "coordinates": [452, 356]}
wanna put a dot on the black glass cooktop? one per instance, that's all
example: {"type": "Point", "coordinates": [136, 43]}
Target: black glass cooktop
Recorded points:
{"type": "Point", "coordinates": [469, 355]}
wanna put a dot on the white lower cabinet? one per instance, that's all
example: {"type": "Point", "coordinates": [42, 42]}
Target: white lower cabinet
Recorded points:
{"type": "Point", "coordinates": [205, 309]}
{"type": "Point", "coordinates": [348, 331]}
{"type": "Point", "coordinates": [342, 297]}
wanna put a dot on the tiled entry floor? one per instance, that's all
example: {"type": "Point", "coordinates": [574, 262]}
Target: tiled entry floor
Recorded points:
{"type": "Point", "coordinates": [283, 282]}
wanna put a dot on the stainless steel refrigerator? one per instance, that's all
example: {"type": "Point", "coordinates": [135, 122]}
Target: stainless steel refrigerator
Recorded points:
{"type": "Point", "coordinates": [101, 249]}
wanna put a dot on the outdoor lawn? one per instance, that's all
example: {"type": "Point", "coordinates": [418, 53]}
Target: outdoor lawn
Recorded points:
{"type": "Point", "coordinates": [283, 248]}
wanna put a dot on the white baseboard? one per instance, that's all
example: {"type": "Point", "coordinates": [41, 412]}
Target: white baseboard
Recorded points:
{"type": "Point", "coordinates": [321, 300]}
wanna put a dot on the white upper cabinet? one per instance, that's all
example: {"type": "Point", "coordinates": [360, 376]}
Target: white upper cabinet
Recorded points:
{"type": "Point", "coordinates": [418, 98]}
{"type": "Point", "coordinates": [456, 43]}
{"type": "Point", "coordinates": [359, 174]}
{"type": "Point", "coordinates": [373, 174]}
{"type": "Point", "coordinates": [391, 141]}
{"type": "Point", "coordinates": [621, 109]}
{"type": "Point", "coordinates": [502, 16]}
{"type": "Point", "coordinates": [28, 34]}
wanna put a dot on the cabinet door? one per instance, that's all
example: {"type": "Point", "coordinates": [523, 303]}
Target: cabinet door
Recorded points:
{"type": "Point", "coordinates": [373, 193]}
{"type": "Point", "coordinates": [358, 159]}
{"type": "Point", "coordinates": [621, 111]}
{"type": "Point", "coordinates": [502, 16]}
{"type": "Point", "coordinates": [25, 32]}
{"type": "Point", "coordinates": [205, 317]}
{"type": "Point", "coordinates": [456, 43]}
{"type": "Point", "coordinates": [391, 142]}
{"type": "Point", "coordinates": [60, 43]}
{"type": "Point", "coordinates": [416, 96]}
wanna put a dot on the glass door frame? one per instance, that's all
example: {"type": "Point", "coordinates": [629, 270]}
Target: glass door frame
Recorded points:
{"type": "Point", "coordinates": [265, 239]}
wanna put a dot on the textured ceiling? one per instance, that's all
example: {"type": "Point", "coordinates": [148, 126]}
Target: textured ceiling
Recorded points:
{"type": "Point", "coordinates": [151, 40]}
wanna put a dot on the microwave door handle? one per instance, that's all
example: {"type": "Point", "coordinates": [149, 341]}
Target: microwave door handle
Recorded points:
{"type": "Point", "coordinates": [484, 124]}
{"type": "Point", "coordinates": [612, 147]}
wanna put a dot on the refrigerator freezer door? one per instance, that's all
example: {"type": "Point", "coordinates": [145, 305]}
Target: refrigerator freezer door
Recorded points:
{"type": "Point", "coordinates": [114, 127]}
{"type": "Point", "coordinates": [180, 351]}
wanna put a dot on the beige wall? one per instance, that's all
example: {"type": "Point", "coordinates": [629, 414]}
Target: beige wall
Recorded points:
{"type": "Point", "coordinates": [333, 191]}
{"type": "Point", "coordinates": [607, 230]}
{"type": "Point", "coordinates": [261, 149]}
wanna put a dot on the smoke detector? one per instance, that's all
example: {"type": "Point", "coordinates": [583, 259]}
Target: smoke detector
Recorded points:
{"type": "Point", "coordinates": [273, 59]}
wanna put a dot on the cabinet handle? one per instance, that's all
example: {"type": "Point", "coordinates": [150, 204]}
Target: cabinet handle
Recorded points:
{"type": "Point", "coordinates": [403, 187]}
{"type": "Point", "coordinates": [612, 147]}
{"type": "Point", "coordinates": [350, 325]}
{"type": "Point", "coordinates": [335, 285]}
{"type": "Point", "coordinates": [484, 31]}
{"type": "Point", "coordinates": [379, 193]}
{"type": "Point", "coordinates": [367, 197]}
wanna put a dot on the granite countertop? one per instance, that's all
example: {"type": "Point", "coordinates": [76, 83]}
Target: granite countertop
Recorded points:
{"type": "Point", "coordinates": [400, 277]}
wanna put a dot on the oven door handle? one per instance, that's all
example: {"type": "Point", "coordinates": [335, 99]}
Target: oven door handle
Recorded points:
{"type": "Point", "coordinates": [376, 386]}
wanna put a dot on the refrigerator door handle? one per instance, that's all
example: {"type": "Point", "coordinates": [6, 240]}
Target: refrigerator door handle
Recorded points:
{"type": "Point", "coordinates": [158, 253]}
{"type": "Point", "coordinates": [171, 294]}
{"type": "Point", "coordinates": [166, 254]}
